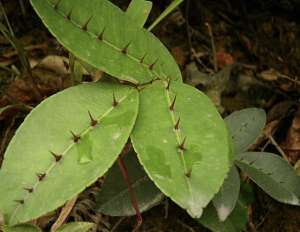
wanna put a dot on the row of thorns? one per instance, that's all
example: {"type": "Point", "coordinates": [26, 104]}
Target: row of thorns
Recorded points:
{"type": "Point", "coordinates": [57, 157]}
{"type": "Point", "coordinates": [93, 123]}
{"type": "Point", "coordinates": [100, 36]}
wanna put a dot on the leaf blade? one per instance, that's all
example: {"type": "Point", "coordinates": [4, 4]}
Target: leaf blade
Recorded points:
{"type": "Point", "coordinates": [165, 13]}
{"type": "Point", "coordinates": [28, 156]}
{"type": "Point", "coordinates": [227, 197]}
{"type": "Point", "coordinates": [245, 126]}
{"type": "Point", "coordinates": [139, 11]}
{"type": "Point", "coordinates": [76, 227]}
{"type": "Point", "coordinates": [273, 174]}
{"type": "Point", "coordinates": [143, 49]}
{"type": "Point", "coordinates": [182, 177]}
{"type": "Point", "coordinates": [236, 222]}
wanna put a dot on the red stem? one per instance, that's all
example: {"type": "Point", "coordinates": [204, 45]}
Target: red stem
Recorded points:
{"type": "Point", "coordinates": [133, 199]}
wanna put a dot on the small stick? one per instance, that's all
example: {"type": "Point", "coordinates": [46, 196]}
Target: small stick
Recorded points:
{"type": "Point", "coordinates": [131, 192]}
{"type": "Point", "coordinates": [65, 212]}
{"type": "Point", "coordinates": [210, 32]}
{"type": "Point", "coordinates": [117, 224]}
{"type": "Point", "coordinates": [270, 137]}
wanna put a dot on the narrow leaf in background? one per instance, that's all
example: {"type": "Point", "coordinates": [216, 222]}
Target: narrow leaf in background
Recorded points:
{"type": "Point", "coordinates": [236, 222]}
{"type": "Point", "coordinates": [273, 174]}
{"type": "Point", "coordinates": [165, 13]}
{"type": "Point", "coordinates": [245, 126]}
{"type": "Point", "coordinates": [139, 11]}
{"type": "Point", "coordinates": [226, 198]}
{"type": "Point", "coordinates": [76, 227]}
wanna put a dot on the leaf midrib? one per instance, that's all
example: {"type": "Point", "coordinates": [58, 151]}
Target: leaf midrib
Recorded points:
{"type": "Point", "coordinates": [178, 138]}
{"type": "Point", "coordinates": [269, 177]}
{"type": "Point", "coordinates": [65, 152]}
{"type": "Point", "coordinates": [109, 44]}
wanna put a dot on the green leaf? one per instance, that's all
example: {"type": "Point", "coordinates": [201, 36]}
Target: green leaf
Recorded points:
{"type": "Point", "coordinates": [273, 174]}
{"type": "Point", "coordinates": [76, 227]}
{"type": "Point", "coordinates": [236, 222]}
{"type": "Point", "coordinates": [226, 198]}
{"type": "Point", "coordinates": [245, 126]}
{"type": "Point", "coordinates": [139, 11]}
{"type": "Point", "coordinates": [190, 174]}
{"type": "Point", "coordinates": [21, 228]}
{"type": "Point", "coordinates": [124, 50]}
{"type": "Point", "coordinates": [114, 198]}
{"type": "Point", "coordinates": [77, 164]}
{"type": "Point", "coordinates": [165, 13]}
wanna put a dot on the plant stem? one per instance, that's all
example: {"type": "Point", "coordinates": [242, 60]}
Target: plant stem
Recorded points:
{"type": "Point", "coordinates": [131, 192]}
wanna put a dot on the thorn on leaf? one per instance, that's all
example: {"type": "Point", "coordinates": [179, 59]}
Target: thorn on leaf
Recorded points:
{"type": "Point", "coordinates": [100, 37]}
{"type": "Point", "coordinates": [125, 49]}
{"type": "Point", "coordinates": [57, 4]}
{"type": "Point", "coordinates": [20, 202]}
{"type": "Point", "coordinates": [182, 145]}
{"type": "Point", "coordinates": [57, 157]}
{"type": "Point", "coordinates": [30, 190]}
{"type": "Point", "coordinates": [41, 176]}
{"type": "Point", "coordinates": [188, 174]}
{"type": "Point", "coordinates": [94, 122]}
{"type": "Point", "coordinates": [168, 84]}
{"type": "Point", "coordinates": [68, 16]}
{"type": "Point", "coordinates": [172, 106]}
{"type": "Point", "coordinates": [151, 66]}
{"type": "Point", "coordinates": [76, 138]}
{"type": "Point", "coordinates": [143, 58]}
{"type": "Point", "coordinates": [176, 127]}
{"type": "Point", "coordinates": [115, 102]}
{"type": "Point", "coordinates": [84, 27]}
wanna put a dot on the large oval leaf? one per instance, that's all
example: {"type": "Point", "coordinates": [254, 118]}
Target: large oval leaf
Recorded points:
{"type": "Point", "coordinates": [114, 198]}
{"type": "Point", "coordinates": [34, 181]}
{"type": "Point", "coordinates": [245, 126]}
{"type": "Point", "coordinates": [189, 158]}
{"type": "Point", "coordinates": [273, 174]}
{"type": "Point", "coordinates": [102, 35]}
{"type": "Point", "coordinates": [228, 195]}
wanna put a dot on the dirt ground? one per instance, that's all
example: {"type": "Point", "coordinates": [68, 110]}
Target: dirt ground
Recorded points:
{"type": "Point", "coordinates": [240, 53]}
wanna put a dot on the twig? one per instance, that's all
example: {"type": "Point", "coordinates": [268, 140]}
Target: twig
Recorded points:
{"type": "Point", "coordinates": [66, 210]}
{"type": "Point", "coordinates": [117, 224]}
{"type": "Point", "coordinates": [185, 225]}
{"type": "Point", "coordinates": [210, 32]}
{"type": "Point", "coordinates": [27, 48]}
{"type": "Point", "coordinates": [6, 138]}
{"type": "Point", "coordinates": [270, 137]}
{"type": "Point", "coordinates": [166, 208]}
{"type": "Point", "coordinates": [22, 6]}
{"type": "Point", "coordinates": [188, 32]}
